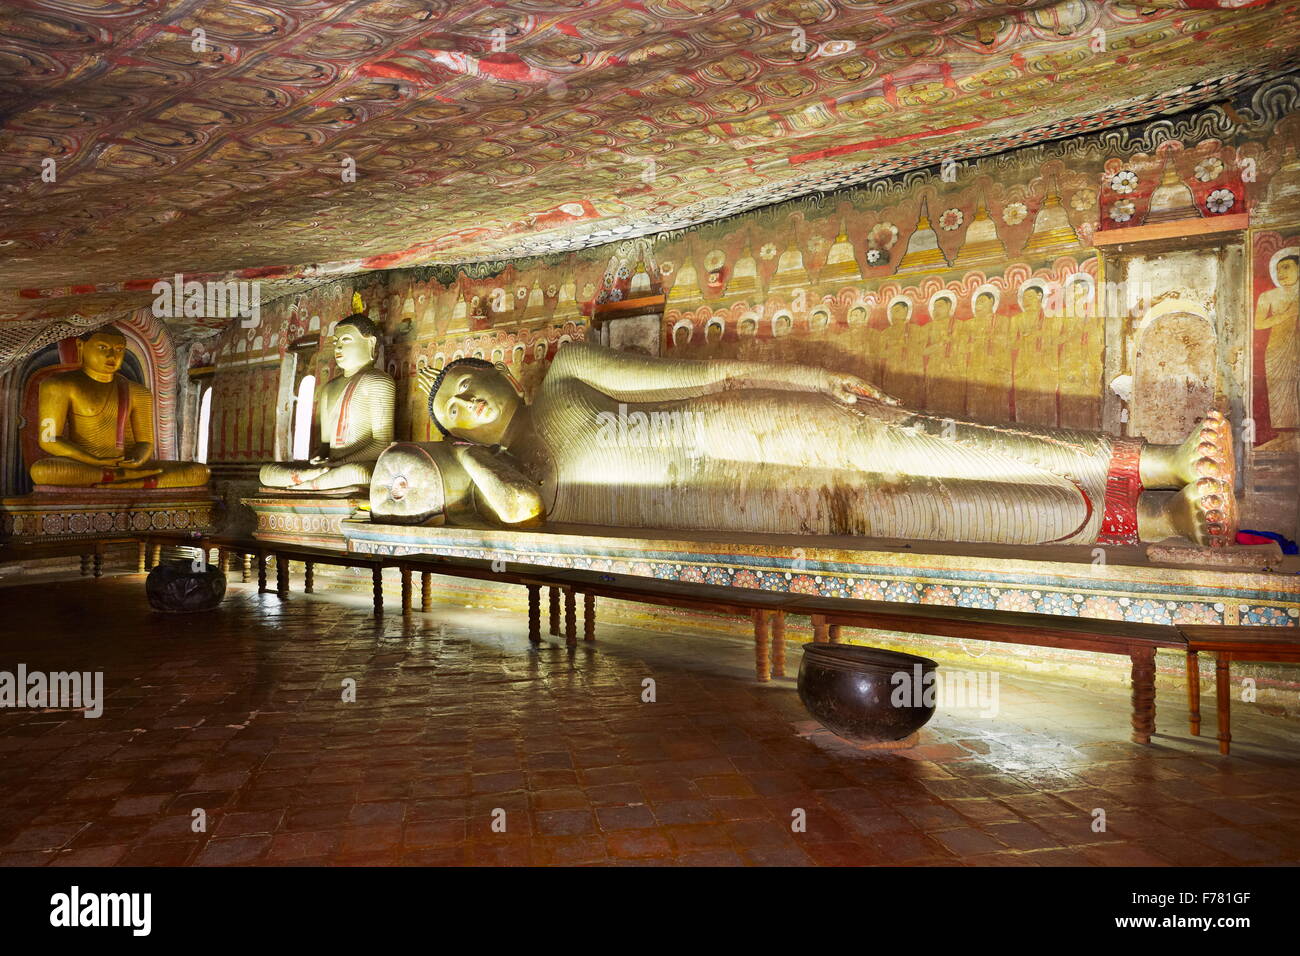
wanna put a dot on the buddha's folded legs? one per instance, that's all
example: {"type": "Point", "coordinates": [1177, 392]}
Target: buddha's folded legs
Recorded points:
{"type": "Point", "coordinates": [64, 472]}
{"type": "Point", "coordinates": [303, 476]}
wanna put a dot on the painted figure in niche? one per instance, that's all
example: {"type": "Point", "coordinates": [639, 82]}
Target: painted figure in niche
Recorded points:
{"type": "Point", "coordinates": [97, 428]}
{"type": "Point", "coordinates": [748, 327]}
{"type": "Point", "coordinates": [821, 320]}
{"type": "Point", "coordinates": [356, 412]}
{"type": "Point", "coordinates": [946, 357]}
{"type": "Point", "coordinates": [1035, 363]}
{"type": "Point", "coordinates": [1277, 314]}
{"type": "Point", "coordinates": [1081, 350]}
{"type": "Point", "coordinates": [713, 330]}
{"type": "Point", "coordinates": [764, 447]}
{"type": "Point", "coordinates": [988, 392]}
{"type": "Point", "coordinates": [897, 378]}
{"type": "Point", "coordinates": [782, 325]}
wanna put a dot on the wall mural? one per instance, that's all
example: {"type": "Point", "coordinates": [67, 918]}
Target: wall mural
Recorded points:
{"type": "Point", "coordinates": [994, 297]}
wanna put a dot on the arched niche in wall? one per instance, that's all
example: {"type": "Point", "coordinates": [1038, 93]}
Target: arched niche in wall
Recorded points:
{"type": "Point", "coordinates": [150, 361]}
{"type": "Point", "coordinates": [1174, 377]}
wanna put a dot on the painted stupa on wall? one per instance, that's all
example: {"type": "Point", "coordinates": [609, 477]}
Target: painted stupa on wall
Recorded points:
{"type": "Point", "coordinates": [982, 242]}
{"type": "Point", "coordinates": [923, 253]}
{"type": "Point", "coordinates": [1172, 199]}
{"type": "Point", "coordinates": [1052, 233]}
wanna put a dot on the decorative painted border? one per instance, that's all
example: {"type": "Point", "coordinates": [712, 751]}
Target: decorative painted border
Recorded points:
{"type": "Point", "coordinates": [35, 520]}
{"type": "Point", "coordinates": [1111, 592]}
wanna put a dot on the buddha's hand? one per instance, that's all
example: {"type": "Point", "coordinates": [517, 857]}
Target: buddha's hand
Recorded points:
{"type": "Point", "coordinates": [850, 390]}
{"type": "Point", "coordinates": [304, 475]}
{"type": "Point", "coordinates": [424, 379]}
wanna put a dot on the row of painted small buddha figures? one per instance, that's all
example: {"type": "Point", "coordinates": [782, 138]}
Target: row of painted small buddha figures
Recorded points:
{"type": "Point", "coordinates": [617, 439]}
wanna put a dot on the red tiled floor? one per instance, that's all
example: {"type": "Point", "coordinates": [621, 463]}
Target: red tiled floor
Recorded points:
{"type": "Point", "coordinates": [466, 746]}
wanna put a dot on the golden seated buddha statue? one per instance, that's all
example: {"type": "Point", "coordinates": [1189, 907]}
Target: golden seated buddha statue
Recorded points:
{"type": "Point", "coordinates": [356, 412]}
{"type": "Point", "coordinates": [97, 428]}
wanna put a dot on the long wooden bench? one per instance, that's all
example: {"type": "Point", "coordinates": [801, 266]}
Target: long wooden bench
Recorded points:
{"type": "Point", "coordinates": [91, 551]}
{"type": "Point", "coordinates": [1136, 641]}
{"type": "Point", "coordinates": [1272, 644]}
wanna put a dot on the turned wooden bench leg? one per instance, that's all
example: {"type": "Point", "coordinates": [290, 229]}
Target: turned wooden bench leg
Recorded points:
{"type": "Point", "coordinates": [1143, 694]}
{"type": "Point", "coordinates": [261, 572]}
{"type": "Point", "coordinates": [534, 613]}
{"type": "Point", "coordinates": [406, 590]}
{"type": "Point", "coordinates": [555, 612]}
{"type": "Point", "coordinates": [281, 576]}
{"type": "Point", "coordinates": [1223, 693]}
{"type": "Point", "coordinates": [97, 563]}
{"type": "Point", "coordinates": [426, 591]}
{"type": "Point", "coordinates": [778, 643]}
{"type": "Point", "coordinates": [834, 631]}
{"type": "Point", "coordinates": [589, 617]}
{"type": "Point", "coordinates": [308, 577]}
{"type": "Point", "coordinates": [142, 559]}
{"type": "Point", "coordinates": [570, 618]}
{"type": "Point", "coordinates": [1193, 693]}
{"type": "Point", "coordinates": [377, 590]}
{"type": "Point", "coordinates": [760, 645]}
{"type": "Point", "coordinates": [819, 629]}
{"type": "Point", "coordinates": [85, 564]}
{"type": "Point", "coordinates": [155, 555]}
{"type": "Point", "coordinates": [248, 567]}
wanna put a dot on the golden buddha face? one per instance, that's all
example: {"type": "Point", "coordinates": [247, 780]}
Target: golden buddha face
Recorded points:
{"type": "Point", "coordinates": [942, 310]}
{"type": "Point", "coordinates": [102, 354]}
{"type": "Point", "coordinates": [984, 305]}
{"type": "Point", "coordinates": [1033, 298]}
{"type": "Point", "coordinates": [352, 349]}
{"type": "Point", "coordinates": [475, 404]}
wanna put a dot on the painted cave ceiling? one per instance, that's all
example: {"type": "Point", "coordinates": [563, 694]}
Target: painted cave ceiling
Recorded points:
{"type": "Point", "coordinates": [214, 139]}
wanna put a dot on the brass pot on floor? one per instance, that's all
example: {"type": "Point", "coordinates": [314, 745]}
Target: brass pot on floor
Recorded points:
{"type": "Point", "coordinates": [865, 693]}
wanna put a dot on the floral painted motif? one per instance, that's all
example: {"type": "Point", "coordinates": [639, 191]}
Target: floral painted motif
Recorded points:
{"type": "Point", "coordinates": [975, 597]}
{"type": "Point", "coordinates": [1083, 200]}
{"type": "Point", "coordinates": [1150, 612]}
{"type": "Point", "coordinates": [1122, 210]}
{"type": "Point", "coordinates": [940, 595]}
{"type": "Point", "coordinates": [1107, 608]}
{"type": "Point", "coordinates": [875, 257]}
{"type": "Point", "coordinates": [901, 591]}
{"type": "Point", "coordinates": [1014, 213]}
{"type": "Point", "coordinates": [951, 219]}
{"type": "Point", "coordinates": [804, 584]}
{"type": "Point", "coordinates": [1124, 181]}
{"type": "Point", "coordinates": [1196, 612]}
{"type": "Point", "coordinates": [1054, 602]}
{"type": "Point", "coordinates": [867, 590]}
{"type": "Point", "coordinates": [768, 251]}
{"type": "Point", "coordinates": [1015, 601]}
{"type": "Point", "coordinates": [666, 268]}
{"type": "Point", "coordinates": [1220, 201]}
{"type": "Point", "coordinates": [1208, 170]}
{"type": "Point", "coordinates": [1268, 616]}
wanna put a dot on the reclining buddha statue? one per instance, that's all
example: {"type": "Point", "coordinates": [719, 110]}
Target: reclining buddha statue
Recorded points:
{"type": "Point", "coordinates": [617, 439]}
{"type": "Point", "coordinates": [97, 428]}
{"type": "Point", "coordinates": [355, 411]}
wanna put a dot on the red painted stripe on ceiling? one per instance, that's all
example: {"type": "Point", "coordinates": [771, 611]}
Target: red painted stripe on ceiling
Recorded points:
{"type": "Point", "coordinates": [879, 142]}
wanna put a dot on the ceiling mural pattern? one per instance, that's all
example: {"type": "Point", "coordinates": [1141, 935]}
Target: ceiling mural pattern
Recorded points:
{"type": "Point", "coordinates": [296, 141]}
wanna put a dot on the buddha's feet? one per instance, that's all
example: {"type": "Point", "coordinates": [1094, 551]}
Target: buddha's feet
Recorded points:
{"type": "Point", "coordinates": [1204, 508]}
{"type": "Point", "coordinates": [1207, 452]}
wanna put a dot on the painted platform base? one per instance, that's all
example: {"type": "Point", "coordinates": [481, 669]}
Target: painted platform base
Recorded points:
{"type": "Point", "coordinates": [95, 512]}
{"type": "Point", "coordinates": [302, 519]}
{"type": "Point", "coordinates": [1114, 584]}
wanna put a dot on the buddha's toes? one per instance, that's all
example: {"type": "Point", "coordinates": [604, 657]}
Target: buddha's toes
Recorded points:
{"type": "Point", "coordinates": [1205, 510]}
